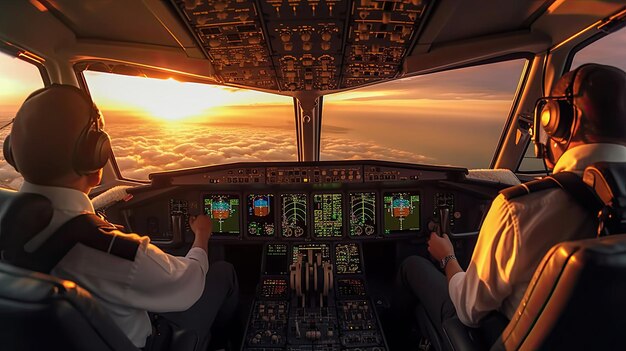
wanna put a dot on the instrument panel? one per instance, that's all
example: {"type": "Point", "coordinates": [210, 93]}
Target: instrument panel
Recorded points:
{"type": "Point", "coordinates": [321, 201]}
{"type": "Point", "coordinates": [298, 216]}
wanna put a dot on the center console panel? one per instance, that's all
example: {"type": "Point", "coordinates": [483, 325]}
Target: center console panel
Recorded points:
{"type": "Point", "coordinates": [313, 296]}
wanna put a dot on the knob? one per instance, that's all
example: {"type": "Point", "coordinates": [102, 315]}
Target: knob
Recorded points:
{"type": "Point", "coordinates": [386, 17]}
{"type": "Point", "coordinates": [254, 40]}
{"type": "Point", "coordinates": [220, 6]}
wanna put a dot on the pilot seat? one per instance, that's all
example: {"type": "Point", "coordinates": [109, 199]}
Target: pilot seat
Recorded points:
{"type": "Point", "coordinates": [41, 312]}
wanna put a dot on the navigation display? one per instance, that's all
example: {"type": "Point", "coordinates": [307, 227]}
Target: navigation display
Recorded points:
{"type": "Point", "coordinates": [348, 259]}
{"type": "Point", "coordinates": [362, 214]}
{"type": "Point", "coordinates": [402, 212]}
{"type": "Point", "coordinates": [314, 248]}
{"type": "Point", "coordinates": [327, 215]}
{"type": "Point", "coordinates": [260, 217]}
{"type": "Point", "coordinates": [293, 215]}
{"type": "Point", "coordinates": [276, 259]}
{"type": "Point", "coordinates": [224, 211]}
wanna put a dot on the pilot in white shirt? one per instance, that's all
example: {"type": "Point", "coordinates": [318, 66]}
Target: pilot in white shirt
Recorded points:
{"type": "Point", "coordinates": [47, 147]}
{"type": "Point", "coordinates": [519, 231]}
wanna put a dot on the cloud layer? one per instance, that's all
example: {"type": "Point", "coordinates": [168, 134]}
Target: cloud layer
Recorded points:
{"type": "Point", "coordinates": [142, 149]}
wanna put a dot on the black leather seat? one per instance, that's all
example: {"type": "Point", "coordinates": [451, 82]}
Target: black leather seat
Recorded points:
{"type": "Point", "coordinates": [42, 312]}
{"type": "Point", "coordinates": [575, 301]}
{"type": "Point", "coordinates": [38, 311]}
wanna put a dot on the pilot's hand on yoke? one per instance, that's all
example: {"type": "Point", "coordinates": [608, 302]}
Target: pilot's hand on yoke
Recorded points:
{"type": "Point", "coordinates": [440, 246]}
{"type": "Point", "coordinates": [201, 226]}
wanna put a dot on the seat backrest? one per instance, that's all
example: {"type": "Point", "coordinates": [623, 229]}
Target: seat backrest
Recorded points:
{"type": "Point", "coordinates": [22, 216]}
{"type": "Point", "coordinates": [576, 300]}
{"type": "Point", "coordinates": [40, 312]}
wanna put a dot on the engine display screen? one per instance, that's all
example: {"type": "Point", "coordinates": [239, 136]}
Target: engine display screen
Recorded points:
{"type": "Point", "coordinates": [224, 211]}
{"type": "Point", "coordinates": [260, 216]}
{"type": "Point", "coordinates": [276, 259]}
{"type": "Point", "coordinates": [293, 215]}
{"type": "Point", "coordinates": [327, 215]}
{"type": "Point", "coordinates": [362, 214]}
{"type": "Point", "coordinates": [348, 259]}
{"type": "Point", "coordinates": [310, 248]}
{"type": "Point", "coordinates": [402, 212]}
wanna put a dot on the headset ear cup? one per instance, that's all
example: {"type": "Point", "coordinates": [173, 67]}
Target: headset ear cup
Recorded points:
{"type": "Point", "coordinates": [556, 119]}
{"type": "Point", "coordinates": [103, 150]}
{"type": "Point", "coordinates": [92, 152]}
{"type": "Point", "coordinates": [8, 153]}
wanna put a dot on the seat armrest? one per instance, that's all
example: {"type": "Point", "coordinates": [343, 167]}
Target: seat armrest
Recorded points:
{"type": "Point", "coordinates": [457, 336]}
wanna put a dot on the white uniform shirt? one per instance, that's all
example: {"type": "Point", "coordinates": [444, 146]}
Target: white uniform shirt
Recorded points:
{"type": "Point", "coordinates": [154, 281]}
{"type": "Point", "coordinates": [517, 233]}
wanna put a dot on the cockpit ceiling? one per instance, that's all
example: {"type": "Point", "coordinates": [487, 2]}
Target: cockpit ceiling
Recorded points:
{"type": "Point", "coordinates": [305, 45]}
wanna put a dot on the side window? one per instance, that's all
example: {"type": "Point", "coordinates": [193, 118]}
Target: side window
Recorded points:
{"type": "Point", "coordinates": [530, 164]}
{"type": "Point", "coordinates": [609, 50]}
{"type": "Point", "coordinates": [18, 79]}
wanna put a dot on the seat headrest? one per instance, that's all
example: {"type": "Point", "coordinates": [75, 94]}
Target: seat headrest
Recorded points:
{"type": "Point", "coordinates": [574, 300]}
{"type": "Point", "coordinates": [22, 216]}
{"type": "Point", "coordinates": [609, 181]}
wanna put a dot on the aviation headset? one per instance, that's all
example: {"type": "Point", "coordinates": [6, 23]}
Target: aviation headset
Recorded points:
{"type": "Point", "coordinates": [92, 149]}
{"type": "Point", "coordinates": [557, 116]}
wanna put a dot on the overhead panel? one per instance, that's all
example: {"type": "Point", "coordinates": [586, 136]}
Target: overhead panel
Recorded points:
{"type": "Point", "coordinates": [304, 45]}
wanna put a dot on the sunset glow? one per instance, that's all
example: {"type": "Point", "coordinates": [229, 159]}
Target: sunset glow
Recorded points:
{"type": "Point", "coordinates": [168, 99]}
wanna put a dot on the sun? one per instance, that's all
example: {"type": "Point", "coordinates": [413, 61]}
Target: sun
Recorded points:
{"type": "Point", "coordinates": [164, 99]}
{"type": "Point", "coordinates": [171, 100]}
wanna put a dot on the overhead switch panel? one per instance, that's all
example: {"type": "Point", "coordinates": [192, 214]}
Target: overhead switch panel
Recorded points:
{"type": "Point", "coordinates": [302, 45]}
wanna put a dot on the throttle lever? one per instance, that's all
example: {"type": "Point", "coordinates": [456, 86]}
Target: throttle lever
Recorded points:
{"type": "Point", "coordinates": [444, 221]}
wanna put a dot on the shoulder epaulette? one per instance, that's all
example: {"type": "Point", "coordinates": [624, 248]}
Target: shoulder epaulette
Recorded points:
{"type": "Point", "coordinates": [528, 188]}
{"type": "Point", "coordinates": [89, 230]}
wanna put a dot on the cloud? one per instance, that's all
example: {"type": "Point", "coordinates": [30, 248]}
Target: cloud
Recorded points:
{"type": "Point", "coordinates": [9, 178]}
{"type": "Point", "coordinates": [142, 149]}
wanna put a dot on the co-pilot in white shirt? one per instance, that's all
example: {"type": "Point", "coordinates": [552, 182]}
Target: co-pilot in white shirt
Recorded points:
{"type": "Point", "coordinates": [517, 233]}
{"type": "Point", "coordinates": [154, 281]}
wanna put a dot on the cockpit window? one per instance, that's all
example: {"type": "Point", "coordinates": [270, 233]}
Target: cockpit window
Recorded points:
{"type": "Point", "coordinates": [448, 118]}
{"type": "Point", "coordinates": [159, 125]}
{"type": "Point", "coordinates": [18, 79]}
{"type": "Point", "coordinates": [608, 50]}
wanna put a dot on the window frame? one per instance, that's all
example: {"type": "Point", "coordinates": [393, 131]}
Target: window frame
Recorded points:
{"type": "Point", "coordinates": [79, 69]}
{"type": "Point", "coordinates": [585, 43]}
{"type": "Point", "coordinates": [28, 57]}
{"type": "Point", "coordinates": [523, 79]}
